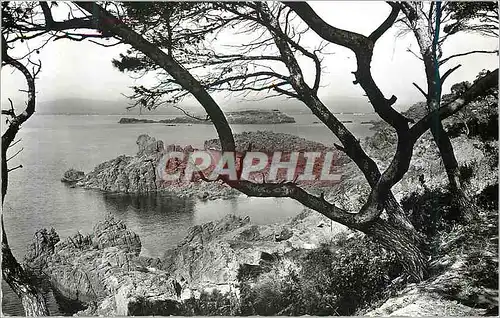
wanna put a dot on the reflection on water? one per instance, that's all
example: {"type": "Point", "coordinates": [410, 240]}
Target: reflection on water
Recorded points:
{"type": "Point", "coordinates": [160, 220]}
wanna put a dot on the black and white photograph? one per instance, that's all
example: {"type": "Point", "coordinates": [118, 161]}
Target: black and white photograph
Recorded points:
{"type": "Point", "coordinates": [267, 158]}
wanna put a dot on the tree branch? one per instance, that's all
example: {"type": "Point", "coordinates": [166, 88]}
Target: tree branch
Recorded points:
{"type": "Point", "coordinates": [184, 78]}
{"type": "Point", "coordinates": [363, 48]}
{"type": "Point", "coordinates": [421, 90]}
{"type": "Point", "coordinates": [388, 22]}
{"type": "Point", "coordinates": [14, 155]}
{"type": "Point", "coordinates": [448, 73]}
{"type": "Point", "coordinates": [189, 115]}
{"type": "Point", "coordinates": [479, 88]}
{"type": "Point", "coordinates": [466, 53]}
{"type": "Point", "coordinates": [12, 169]}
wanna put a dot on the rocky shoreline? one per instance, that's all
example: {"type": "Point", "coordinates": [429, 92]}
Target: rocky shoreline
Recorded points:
{"type": "Point", "coordinates": [104, 268]}
{"type": "Point", "coordinates": [244, 117]}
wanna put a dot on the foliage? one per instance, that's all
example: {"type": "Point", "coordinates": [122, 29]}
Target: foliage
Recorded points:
{"type": "Point", "coordinates": [209, 304]}
{"type": "Point", "coordinates": [488, 198]}
{"type": "Point", "coordinates": [466, 264]}
{"type": "Point", "coordinates": [335, 279]}
{"type": "Point", "coordinates": [480, 118]}
{"type": "Point", "coordinates": [476, 16]}
{"type": "Point", "coordinates": [482, 269]}
{"type": "Point", "coordinates": [460, 88]}
{"type": "Point", "coordinates": [142, 307]}
{"type": "Point", "coordinates": [481, 243]}
{"type": "Point", "coordinates": [431, 211]}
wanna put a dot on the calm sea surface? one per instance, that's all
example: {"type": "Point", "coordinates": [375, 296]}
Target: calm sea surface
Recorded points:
{"type": "Point", "coordinates": [54, 143]}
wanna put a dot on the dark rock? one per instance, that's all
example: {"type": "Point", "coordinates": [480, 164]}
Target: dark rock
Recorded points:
{"type": "Point", "coordinates": [284, 235]}
{"type": "Point", "coordinates": [73, 175]}
{"type": "Point", "coordinates": [148, 145]}
{"type": "Point", "coordinates": [135, 121]}
{"type": "Point", "coordinates": [267, 257]}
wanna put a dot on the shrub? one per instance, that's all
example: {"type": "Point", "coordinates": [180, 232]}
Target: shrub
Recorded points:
{"type": "Point", "coordinates": [335, 279]}
{"type": "Point", "coordinates": [209, 304]}
{"type": "Point", "coordinates": [482, 269]}
{"type": "Point", "coordinates": [143, 307]}
{"type": "Point", "coordinates": [491, 153]}
{"type": "Point", "coordinates": [488, 198]}
{"type": "Point", "coordinates": [466, 172]}
{"type": "Point", "coordinates": [431, 212]}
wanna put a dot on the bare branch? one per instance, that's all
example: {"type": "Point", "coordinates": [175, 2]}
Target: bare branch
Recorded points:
{"type": "Point", "coordinates": [388, 22]}
{"type": "Point", "coordinates": [12, 169]}
{"type": "Point", "coordinates": [414, 54]}
{"type": "Point", "coordinates": [191, 116]}
{"type": "Point", "coordinates": [448, 73]}
{"type": "Point", "coordinates": [14, 155]}
{"type": "Point", "coordinates": [14, 143]}
{"type": "Point", "coordinates": [466, 53]}
{"type": "Point", "coordinates": [363, 48]}
{"type": "Point", "coordinates": [421, 90]}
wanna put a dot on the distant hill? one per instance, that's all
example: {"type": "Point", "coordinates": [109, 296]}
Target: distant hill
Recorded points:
{"type": "Point", "coordinates": [80, 106]}
{"type": "Point", "coordinates": [336, 104]}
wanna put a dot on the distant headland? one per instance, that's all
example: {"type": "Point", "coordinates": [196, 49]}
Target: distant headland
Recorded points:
{"type": "Point", "coordinates": [244, 117]}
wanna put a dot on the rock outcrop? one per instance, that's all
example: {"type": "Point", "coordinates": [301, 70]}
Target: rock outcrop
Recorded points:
{"type": "Point", "coordinates": [138, 174]}
{"type": "Point", "coordinates": [126, 120]}
{"type": "Point", "coordinates": [211, 255]}
{"type": "Point", "coordinates": [126, 173]}
{"type": "Point", "coordinates": [148, 145]}
{"type": "Point", "coordinates": [104, 267]}
{"type": "Point", "coordinates": [268, 141]}
{"type": "Point", "coordinates": [103, 270]}
{"type": "Point", "coordinates": [72, 175]}
{"type": "Point", "coordinates": [261, 117]}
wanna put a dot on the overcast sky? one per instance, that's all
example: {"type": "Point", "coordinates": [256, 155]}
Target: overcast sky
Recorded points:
{"type": "Point", "coordinates": [84, 70]}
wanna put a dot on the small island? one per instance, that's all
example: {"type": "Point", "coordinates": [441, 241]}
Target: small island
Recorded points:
{"type": "Point", "coordinates": [244, 117]}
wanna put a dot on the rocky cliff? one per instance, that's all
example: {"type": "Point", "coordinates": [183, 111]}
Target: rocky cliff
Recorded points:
{"type": "Point", "coordinates": [211, 255]}
{"type": "Point", "coordinates": [103, 269]}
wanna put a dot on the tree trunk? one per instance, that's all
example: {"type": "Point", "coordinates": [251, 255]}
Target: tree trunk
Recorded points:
{"type": "Point", "coordinates": [33, 302]}
{"type": "Point", "coordinates": [12, 272]}
{"type": "Point", "coordinates": [406, 249]}
{"type": "Point", "coordinates": [398, 217]}
{"type": "Point", "coordinates": [462, 203]}
{"type": "Point", "coordinates": [430, 49]}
